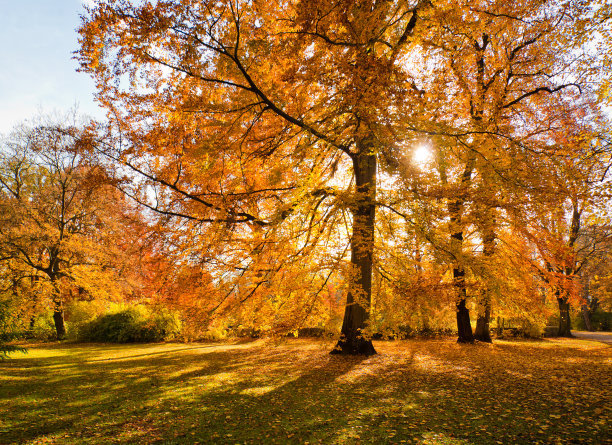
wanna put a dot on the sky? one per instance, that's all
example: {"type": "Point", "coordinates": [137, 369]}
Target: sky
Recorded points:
{"type": "Point", "coordinates": [37, 72]}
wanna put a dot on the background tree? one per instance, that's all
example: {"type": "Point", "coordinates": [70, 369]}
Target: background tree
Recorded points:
{"type": "Point", "coordinates": [499, 63]}
{"type": "Point", "coordinates": [60, 219]}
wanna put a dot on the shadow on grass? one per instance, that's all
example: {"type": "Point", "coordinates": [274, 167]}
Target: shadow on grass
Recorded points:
{"type": "Point", "coordinates": [425, 391]}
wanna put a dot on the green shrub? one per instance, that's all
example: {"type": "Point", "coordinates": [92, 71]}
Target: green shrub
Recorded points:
{"type": "Point", "coordinates": [43, 327]}
{"type": "Point", "coordinates": [120, 327]}
{"type": "Point", "coordinates": [531, 329]}
{"type": "Point", "coordinates": [604, 320]}
{"type": "Point", "coordinates": [165, 324]}
{"type": "Point", "coordinates": [80, 313]}
{"type": "Point", "coordinates": [7, 331]}
{"type": "Point", "coordinates": [133, 325]}
{"type": "Point", "coordinates": [6, 323]}
{"type": "Point", "coordinates": [527, 327]}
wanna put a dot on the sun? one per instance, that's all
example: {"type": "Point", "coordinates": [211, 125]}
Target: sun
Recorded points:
{"type": "Point", "coordinates": [422, 154]}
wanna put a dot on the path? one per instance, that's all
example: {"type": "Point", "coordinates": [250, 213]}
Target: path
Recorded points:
{"type": "Point", "coordinates": [604, 337]}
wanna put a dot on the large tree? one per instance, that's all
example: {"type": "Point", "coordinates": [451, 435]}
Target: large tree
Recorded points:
{"type": "Point", "coordinates": [248, 113]}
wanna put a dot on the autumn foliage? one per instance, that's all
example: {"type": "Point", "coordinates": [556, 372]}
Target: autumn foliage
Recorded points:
{"type": "Point", "coordinates": [270, 151]}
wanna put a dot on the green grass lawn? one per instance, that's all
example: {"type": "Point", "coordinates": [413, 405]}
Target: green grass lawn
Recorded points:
{"type": "Point", "coordinates": [415, 391]}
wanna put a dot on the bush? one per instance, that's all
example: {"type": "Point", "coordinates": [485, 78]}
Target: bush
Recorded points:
{"type": "Point", "coordinates": [405, 331]}
{"type": "Point", "coordinates": [7, 329]}
{"type": "Point", "coordinates": [18, 325]}
{"type": "Point", "coordinates": [132, 325]}
{"type": "Point", "coordinates": [603, 320]}
{"type": "Point", "coordinates": [313, 333]}
{"type": "Point", "coordinates": [521, 327]}
{"type": "Point", "coordinates": [165, 323]}
{"type": "Point", "coordinates": [531, 329]}
{"type": "Point", "coordinates": [80, 313]}
{"type": "Point", "coordinates": [43, 327]}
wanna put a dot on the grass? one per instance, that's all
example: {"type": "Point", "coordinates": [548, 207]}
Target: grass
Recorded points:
{"type": "Point", "coordinates": [415, 391]}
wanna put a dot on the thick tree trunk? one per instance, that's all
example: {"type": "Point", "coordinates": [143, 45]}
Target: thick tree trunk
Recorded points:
{"type": "Point", "coordinates": [58, 319]}
{"type": "Point", "coordinates": [482, 331]}
{"type": "Point", "coordinates": [584, 307]}
{"type": "Point", "coordinates": [58, 308]}
{"type": "Point", "coordinates": [353, 338]}
{"type": "Point", "coordinates": [455, 211]}
{"type": "Point", "coordinates": [464, 326]}
{"type": "Point", "coordinates": [564, 306]}
{"type": "Point", "coordinates": [500, 326]}
{"type": "Point", "coordinates": [564, 318]}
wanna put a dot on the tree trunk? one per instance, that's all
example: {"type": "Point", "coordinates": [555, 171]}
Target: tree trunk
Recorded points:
{"type": "Point", "coordinates": [482, 331]}
{"type": "Point", "coordinates": [58, 309]}
{"type": "Point", "coordinates": [500, 326]}
{"type": "Point", "coordinates": [353, 338]}
{"type": "Point", "coordinates": [464, 326]}
{"type": "Point", "coordinates": [564, 306]}
{"type": "Point", "coordinates": [564, 318]}
{"type": "Point", "coordinates": [586, 316]}
{"type": "Point", "coordinates": [58, 319]}
{"type": "Point", "coordinates": [455, 211]}
{"type": "Point", "coordinates": [586, 313]}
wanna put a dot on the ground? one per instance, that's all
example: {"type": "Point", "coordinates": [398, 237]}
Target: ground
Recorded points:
{"type": "Point", "coordinates": [414, 391]}
{"type": "Point", "coordinates": [604, 337]}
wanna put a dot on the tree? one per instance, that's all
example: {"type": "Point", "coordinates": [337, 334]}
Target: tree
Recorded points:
{"type": "Point", "coordinates": [257, 131]}
{"type": "Point", "coordinates": [577, 192]}
{"type": "Point", "coordinates": [501, 64]}
{"type": "Point", "coordinates": [212, 94]}
{"type": "Point", "coordinates": [59, 218]}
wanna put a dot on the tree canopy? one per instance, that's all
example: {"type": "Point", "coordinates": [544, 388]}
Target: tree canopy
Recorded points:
{"type": "Point", "coordinates": [271, 149]}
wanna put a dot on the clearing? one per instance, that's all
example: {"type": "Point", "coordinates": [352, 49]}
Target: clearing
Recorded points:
{"type": "Point", "coordinates": [413, 391]}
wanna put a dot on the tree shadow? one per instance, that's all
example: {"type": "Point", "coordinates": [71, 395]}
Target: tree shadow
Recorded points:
{"type": "Point", "coordinates": [292, 393]}
{"type": "Point", "coordinates": [80, 391]}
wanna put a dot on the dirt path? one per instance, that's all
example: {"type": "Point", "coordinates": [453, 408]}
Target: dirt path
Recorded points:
{"type": "Point", "coordinates": [604, 337]}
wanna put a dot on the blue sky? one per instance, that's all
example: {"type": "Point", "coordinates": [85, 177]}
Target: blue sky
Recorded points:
{"type": "Point", "coordinates": [37, 72]}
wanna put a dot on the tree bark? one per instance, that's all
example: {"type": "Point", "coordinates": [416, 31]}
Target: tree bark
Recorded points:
{"type": "Point", "coordinates": [564, 318]}
{"type": "Point", "coordinates": [584, 307]}
{"type": "Point", "coordinates": [482, 331]}
{"type": "Point", "coordinates": [564, 306]}
{"type": "Point", "coordinates": [500, 326]}
{"type": "Point", "coordinates": [353, 338]}
{"type": "Point", "coordinates": [586, 316]}
{"type": "Point", "coordinates": [58, 306]}
{"type": "Point", "coordinates": [464, 326]}
{"type": "Point", "coordinates": [455, 211]}
{"type": "Point", "coordinates": [58, 319]}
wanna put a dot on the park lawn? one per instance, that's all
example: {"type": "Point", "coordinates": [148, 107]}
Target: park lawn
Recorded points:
{"type": "Point", "coordinates": [413, 391]}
